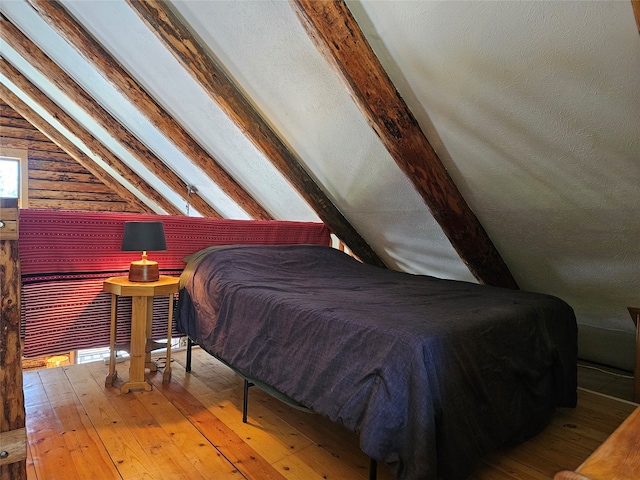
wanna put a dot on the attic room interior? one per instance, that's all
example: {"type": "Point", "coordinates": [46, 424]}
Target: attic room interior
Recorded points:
{"type": "Point", "coordinates": [399, 239]}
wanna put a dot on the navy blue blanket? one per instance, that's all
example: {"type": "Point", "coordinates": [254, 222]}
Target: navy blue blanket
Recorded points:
{"type": "Point", "coordinates": [432, 374]}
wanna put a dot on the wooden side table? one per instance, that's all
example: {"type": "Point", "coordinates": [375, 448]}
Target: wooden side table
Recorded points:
{"type": "Point", "coordinates": [142, 295]}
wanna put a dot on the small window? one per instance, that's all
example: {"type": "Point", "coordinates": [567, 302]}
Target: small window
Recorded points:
{"type": "Point", "coordinates": [14, 175]}
{"type": "Point", "coordinates": [9, 177]}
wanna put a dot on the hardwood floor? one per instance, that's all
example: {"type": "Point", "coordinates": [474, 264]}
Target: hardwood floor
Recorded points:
{"type": "Point", "coordinates": [192, 429]}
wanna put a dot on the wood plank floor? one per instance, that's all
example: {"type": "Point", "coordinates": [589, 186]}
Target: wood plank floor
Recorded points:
{"type": "Point", "coordinates": [192, 429]}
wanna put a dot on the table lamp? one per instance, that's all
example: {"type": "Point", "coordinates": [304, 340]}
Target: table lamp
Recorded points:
{"type": "Point", "coordinates": [144, 237]}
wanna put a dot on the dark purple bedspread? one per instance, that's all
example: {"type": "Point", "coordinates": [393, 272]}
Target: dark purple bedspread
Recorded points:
{"type": "Point", "coordinates": [432, 374]}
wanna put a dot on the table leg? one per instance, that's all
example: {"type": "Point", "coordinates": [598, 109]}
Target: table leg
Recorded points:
{"type": "Point", "coordinates": [113, 373]}
{"type": "Point", "coordinates": [142, 308]}
{"type": "Point", "coordinates": [149, 344]}
{"type": "Point", "coordinates": [166, 376]}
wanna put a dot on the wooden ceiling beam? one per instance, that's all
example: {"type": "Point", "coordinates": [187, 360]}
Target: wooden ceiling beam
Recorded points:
{"type": "Point", "coordinates": [635, 4]}
{"type": "Point", "coordinates": [21, 82]}
{"type": "Point", "coordinates": [222, 90]}
{"type": "Point", "coordinates": [57, 17]}
{"type": "Point", "coordinates": [43, 64]}
{"type": "Point", "coordinates": [338, 37]}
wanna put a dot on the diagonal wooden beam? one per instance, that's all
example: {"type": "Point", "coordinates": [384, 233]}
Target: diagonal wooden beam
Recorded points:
{"type": "Point", "coordinates": [214, 80]}
{"type": "Point", "coordinates": [68, 28]}
{"type": "Point", "coordinates": [338, 37]}
{"type": "Point", "coordinates": [20, 81]}
{"type": "Point", "coordinates": [635, 4]}
{"type": "Point", "coordinates": [43, 64]}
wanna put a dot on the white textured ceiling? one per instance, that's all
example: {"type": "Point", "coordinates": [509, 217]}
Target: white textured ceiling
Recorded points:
{"type": "Point", "coordinates": [533, 106]}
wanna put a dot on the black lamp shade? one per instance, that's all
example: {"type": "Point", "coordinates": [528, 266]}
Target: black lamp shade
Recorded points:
{"type": "Point", "coordinates": [143, 236]}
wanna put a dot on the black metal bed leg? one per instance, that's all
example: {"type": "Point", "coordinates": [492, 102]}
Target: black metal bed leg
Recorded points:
{"type": "Point", "coordinates": [189, 345]}
{"type": "Point", "coordinates": [245, 400]}
{"type": "Point", "coordinates": [373, 469]}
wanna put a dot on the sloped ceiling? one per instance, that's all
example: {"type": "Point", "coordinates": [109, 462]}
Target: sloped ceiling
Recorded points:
{"type": "Point", "coordinates": [533, 108]}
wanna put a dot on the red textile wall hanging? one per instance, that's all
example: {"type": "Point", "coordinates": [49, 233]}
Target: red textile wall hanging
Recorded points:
{"type": "Point", "coordinates": [65, 256]}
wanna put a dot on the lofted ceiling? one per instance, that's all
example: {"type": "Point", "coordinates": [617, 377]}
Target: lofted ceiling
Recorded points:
{"type": "Point", "coordinates": [509, 154]}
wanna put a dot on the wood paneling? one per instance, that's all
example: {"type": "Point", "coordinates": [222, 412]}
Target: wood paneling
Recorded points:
{"type": "Point", "coordinates": [56, 181]}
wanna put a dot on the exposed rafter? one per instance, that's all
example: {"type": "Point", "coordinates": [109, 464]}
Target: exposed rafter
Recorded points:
{"type": "Point", "coordinates": [181, 42]}
{"type": "Point", "coordinates": [340, 40]}
{"type": "Point", "coordinates": [636, 12]}
{"type": "Point", "coordinates": [68, 28]}
{"type": "Point", "coordinates": [67, 145]}
{"type": "Point", "coordinates": [41, 62]}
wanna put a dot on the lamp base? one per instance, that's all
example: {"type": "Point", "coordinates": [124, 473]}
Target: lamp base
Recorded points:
{"type": "Point", "coordinates": [144, 271]}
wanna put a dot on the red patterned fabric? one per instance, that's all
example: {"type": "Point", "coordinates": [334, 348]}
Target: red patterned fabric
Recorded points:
{"type": "Point", "coordinates": [65, 256]}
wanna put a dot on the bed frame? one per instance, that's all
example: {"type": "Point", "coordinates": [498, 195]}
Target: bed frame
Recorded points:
{"type": "Point", "coordinates": [250, 382]}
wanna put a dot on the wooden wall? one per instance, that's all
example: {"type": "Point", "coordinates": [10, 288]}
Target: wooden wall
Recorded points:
{"type": "Point", "coordinates": [56, 181]}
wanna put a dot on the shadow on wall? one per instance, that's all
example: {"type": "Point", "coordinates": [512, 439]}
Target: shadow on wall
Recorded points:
{"type": "Point", "coordinates": [589, 257]}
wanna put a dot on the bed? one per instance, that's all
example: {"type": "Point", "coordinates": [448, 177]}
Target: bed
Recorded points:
{"type": "Point", "coordinates": [432, 374]}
